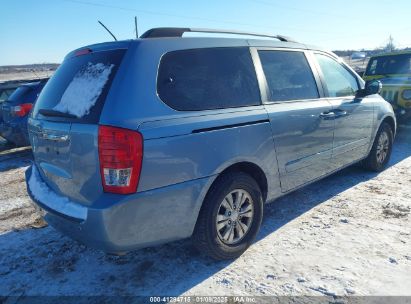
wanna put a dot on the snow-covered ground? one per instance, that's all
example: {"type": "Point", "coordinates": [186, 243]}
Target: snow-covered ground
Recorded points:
{"type": "Point", "coordinates": [349, 234]}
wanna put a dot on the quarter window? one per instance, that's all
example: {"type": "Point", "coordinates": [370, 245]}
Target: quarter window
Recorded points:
{"type": "Point", "coordinates": [209, 78]}
{"type": "Point", "coordinates": [339, 81]}
{"type": "Point", "coordinates": [288, 75]}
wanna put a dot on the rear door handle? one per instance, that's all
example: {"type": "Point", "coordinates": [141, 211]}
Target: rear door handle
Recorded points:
{"type": "Point", "coordinates": [54, 137]}
{"type": "Point", "coordinates": [327, 115]}
{"type": "Point", "coordinates": [340, 113]}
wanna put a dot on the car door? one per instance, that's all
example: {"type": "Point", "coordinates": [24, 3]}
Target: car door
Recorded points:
{"type": "Point", "coordinates": [353, 116]}
{"type": "Point", "coordinates": [301, 127]}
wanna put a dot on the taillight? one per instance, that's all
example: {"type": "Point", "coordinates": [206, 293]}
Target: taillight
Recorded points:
{"type": "Point", "coordinates": [21, 110]}
{"type": "Point", "coordinates": [83, 52]}
{"type": "Point", "coordinates": [120, 152]}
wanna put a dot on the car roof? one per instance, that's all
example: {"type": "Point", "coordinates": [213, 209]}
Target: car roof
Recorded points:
{"type": "Point", "coordinates": [274, 41]}
{"type": "Point", "coordinates": [32, 84]}
{"type": "Point", "coordinates": [172, 43]}
{"type": "Point", "coordinates": [392, 53]}
{"type": "Point", "coordinates": [172, 39]}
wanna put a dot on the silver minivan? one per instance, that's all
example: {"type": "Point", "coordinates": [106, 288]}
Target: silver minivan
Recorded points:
{"type": "Point", "coordinates": [165, 137]}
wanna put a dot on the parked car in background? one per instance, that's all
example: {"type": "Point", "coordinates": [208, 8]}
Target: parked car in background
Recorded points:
{"type": "Point", "coordinates": [394, 71]}
{"type": "Point", "coordinates": [146, 141]}
{"type": "Point", "coordinates": [14, 112]}
{"type": "Point", "coordinates": [358, 55]}
{"type": "Point", "coordinates": [8, 87]}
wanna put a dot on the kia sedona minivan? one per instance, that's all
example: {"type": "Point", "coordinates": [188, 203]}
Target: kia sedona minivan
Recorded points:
{"type": "Point", "coordinates": [146, 141]}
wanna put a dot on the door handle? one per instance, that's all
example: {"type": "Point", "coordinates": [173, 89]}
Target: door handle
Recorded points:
{"type": "Point", "coordinates": [340, 113]}
{"type": "Point", "coordinates": [327, 115]}
{"type": "Point", "coordinates": [54, 137]}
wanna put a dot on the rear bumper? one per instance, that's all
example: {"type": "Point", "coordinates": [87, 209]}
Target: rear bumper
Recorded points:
{"type": "Point", "coordinates": [141, 220]}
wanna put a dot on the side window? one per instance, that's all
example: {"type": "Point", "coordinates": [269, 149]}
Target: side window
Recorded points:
{"type": "Point", "coordinates": [373, 67]}
{"type": "Point", "coordinates": [289, 77]}
{"type": "Point", "coordinates": [339, 81]}
{"type": "Point", "coordinates": [210, 78]}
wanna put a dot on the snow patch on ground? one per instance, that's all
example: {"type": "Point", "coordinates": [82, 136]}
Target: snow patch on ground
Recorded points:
{"type": "Point", "coordinates": [84, 90]}
{"type": "Point", "coordinates": [16, 209]}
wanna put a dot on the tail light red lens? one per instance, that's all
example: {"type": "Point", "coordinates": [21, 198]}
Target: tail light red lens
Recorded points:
{"type": "Point", "coordinates": [22, 110]}
{"type": "Point", "coordinates": [120, 152]}
{"type": "Point", "coordinates": [82, 52]}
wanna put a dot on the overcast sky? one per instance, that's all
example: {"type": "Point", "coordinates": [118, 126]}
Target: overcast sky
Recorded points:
{"type": "Point", "coordinates": [38, 31]}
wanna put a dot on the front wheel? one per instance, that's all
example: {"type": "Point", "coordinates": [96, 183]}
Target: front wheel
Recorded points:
{"type": "Point", "coordinates": [381, 150]}
{"type": "Point", "coordinates": [230, 217]}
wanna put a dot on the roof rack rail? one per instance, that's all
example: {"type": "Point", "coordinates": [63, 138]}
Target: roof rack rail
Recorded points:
{"type": "Point", "coordinates": [162, 32]}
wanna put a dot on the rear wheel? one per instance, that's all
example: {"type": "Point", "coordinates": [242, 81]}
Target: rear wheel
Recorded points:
{"type": "Point", "coordinates": [381, 150]}
{"type": "Point", "coordinates": [230, 217]}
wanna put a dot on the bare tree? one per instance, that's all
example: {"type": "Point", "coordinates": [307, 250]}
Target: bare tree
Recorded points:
{"type": "Point", "coordinates": [389, 47]}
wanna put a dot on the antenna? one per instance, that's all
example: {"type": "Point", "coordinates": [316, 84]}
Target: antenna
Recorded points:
{"type": "Point", "coordinates": [135, 24]}
{"type": "Point", "coordinates": [101, 23]}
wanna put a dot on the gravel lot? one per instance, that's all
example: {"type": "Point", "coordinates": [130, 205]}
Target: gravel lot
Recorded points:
{"type": "Point", "coordinates": [348, 234]}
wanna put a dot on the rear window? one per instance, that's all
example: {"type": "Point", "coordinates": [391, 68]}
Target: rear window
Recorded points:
{"type": "Point", "coordinates": [210, 78]}
{"type": "Point", "coordinates": [79, 86]}
{"type": "Point", "coordinates": [5, 94]}
{"type": "Point", "coordinates": [25, 94]}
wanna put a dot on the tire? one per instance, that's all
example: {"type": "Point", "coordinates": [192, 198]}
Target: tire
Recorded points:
{"type": "Point", "coordinates": [227, 242]}
{"type": "Point", "coordinates": [376, 161]}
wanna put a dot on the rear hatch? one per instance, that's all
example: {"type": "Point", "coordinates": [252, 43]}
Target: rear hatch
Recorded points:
{"type": "Point", "coordinates": [63, 127]}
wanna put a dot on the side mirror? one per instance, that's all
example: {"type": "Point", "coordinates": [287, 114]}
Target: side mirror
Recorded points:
{"type": "Point", "coordinates": [371, 87]}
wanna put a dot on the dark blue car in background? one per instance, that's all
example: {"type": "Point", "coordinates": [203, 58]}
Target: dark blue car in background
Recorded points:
{"type": "Point", "coordinates": [14, 112]}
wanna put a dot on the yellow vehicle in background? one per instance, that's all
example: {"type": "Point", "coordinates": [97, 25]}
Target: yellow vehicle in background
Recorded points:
{"type": "Point", "coordinates": [394, 72]}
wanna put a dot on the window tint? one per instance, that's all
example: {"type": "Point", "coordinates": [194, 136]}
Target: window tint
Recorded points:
{"type": "Point", "coordinates": [339, 81]}
{"type": "Point", "coordinates": [289, 77]}
{"type": "Point", "coordinates": [4, 94]}
{"type": "Point", "coordinates": [372, 67]}
{"type": "Point", "coordinates": [83, 74]}
{"type": "Point", "coordinates": [203, 79]}
{"type": "Point", "coordinates": [394, 64]}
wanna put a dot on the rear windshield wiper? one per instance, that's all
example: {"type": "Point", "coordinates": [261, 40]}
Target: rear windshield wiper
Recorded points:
{"type": "Point", "coordinates": [55, 113]}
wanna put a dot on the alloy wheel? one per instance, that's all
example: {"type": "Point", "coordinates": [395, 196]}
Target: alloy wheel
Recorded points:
{"type": "Point", "coordinates": [382, 147]}
{"type": "Point", "coordinates": [234, 216]}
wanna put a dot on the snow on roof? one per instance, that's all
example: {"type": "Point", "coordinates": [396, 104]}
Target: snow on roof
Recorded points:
{"type": "Point", "coordinates": [84, 90]}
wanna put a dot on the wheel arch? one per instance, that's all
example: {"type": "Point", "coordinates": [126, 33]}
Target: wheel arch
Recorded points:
{"type": "Point", "coordinates": [250, 168]}
{"type": "Point", "coordinates": [391, 122]}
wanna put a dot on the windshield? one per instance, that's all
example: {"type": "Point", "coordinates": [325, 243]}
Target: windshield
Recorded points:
{"type": "Point", "coordinates": [392, 64]}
